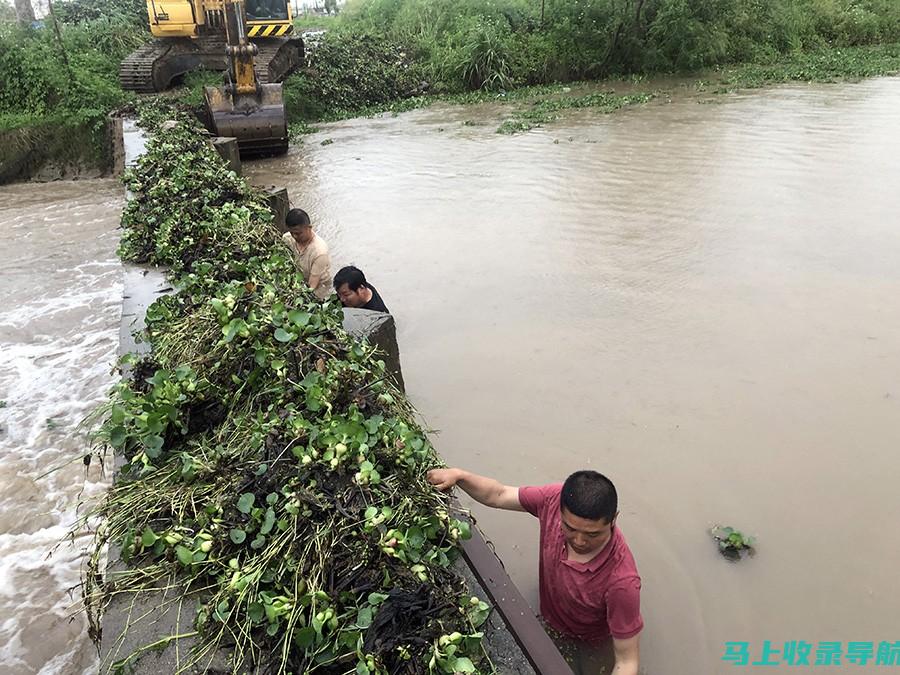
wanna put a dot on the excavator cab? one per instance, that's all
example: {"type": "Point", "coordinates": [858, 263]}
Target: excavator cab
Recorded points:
{"type": "Point", "coordinates": [266, 10]}
{"type": "Point", "coordinates": [244, 107]}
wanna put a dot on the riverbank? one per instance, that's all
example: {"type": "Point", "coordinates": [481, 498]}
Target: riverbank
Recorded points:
{"type": "Point", "coordinates": [58, 88]}
{"type": "Point", "coordinates": [55, 88]}
{"type": "Point", "coordinates": [533, 106]}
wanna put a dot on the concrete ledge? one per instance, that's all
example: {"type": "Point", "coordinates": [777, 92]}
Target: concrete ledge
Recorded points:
{"type": "Point", "coordinates": [227, 147]}
{"type": "Point", "coordinates": [381, 331]}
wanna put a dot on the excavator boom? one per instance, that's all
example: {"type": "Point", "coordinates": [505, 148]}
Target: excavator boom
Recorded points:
{"type": "Point", "coordinates": [244, 107]}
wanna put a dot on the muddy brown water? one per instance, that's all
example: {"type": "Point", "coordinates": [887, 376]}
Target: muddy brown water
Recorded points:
{"type": "Point", "coordinates": [59, 312]}
{"type": "Point", "coordinates": [699, 300]}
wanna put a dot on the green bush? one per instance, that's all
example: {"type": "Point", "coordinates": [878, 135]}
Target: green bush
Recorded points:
{"type": "Point", "coordinates": [132, 12]}
{"type": "Point", "coordinates": [465, 44]}
{"type": "Point", "coordinates": [58, 88]}
{"type": "Point", "coordinates": [349, 71]}
{"type": "Point", "coordinates": [77, 79]}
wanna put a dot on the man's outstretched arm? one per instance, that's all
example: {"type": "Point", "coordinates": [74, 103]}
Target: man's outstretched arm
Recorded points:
{"type": "Point", "coordinates": [485, 490]}
{"type": "Point", "coordinates": [627, 655]}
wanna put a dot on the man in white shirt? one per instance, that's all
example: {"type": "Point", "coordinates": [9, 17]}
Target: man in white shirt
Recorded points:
{"type": "Point", "coordinates": [310, 252]}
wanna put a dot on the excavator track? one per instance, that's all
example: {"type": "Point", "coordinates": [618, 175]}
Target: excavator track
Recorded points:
{"type": "Point", "coordinates": [268, 63]}
{"type": "Point", "coordinates": [156, 65]}
{"type": "Point", "coordinates": [136, 71]}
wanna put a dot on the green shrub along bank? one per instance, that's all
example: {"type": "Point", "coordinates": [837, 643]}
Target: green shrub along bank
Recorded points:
{"type": "Point", "coordinates": [459, 46]}
{"type": "Point", "coordinates": [823, 66]}
{"type": "Point", "coordinates": [52, 88]}
{"type": "Point", "coordinates": [310, 98]}
{"type": "Point", "coordinates": [347, 72]}
{"type": "Point", "coordinates": [468, 44]}
{"type": "Point", "coordinates": [272, 469]}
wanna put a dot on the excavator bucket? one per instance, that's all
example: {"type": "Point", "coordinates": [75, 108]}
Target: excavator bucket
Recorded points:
{"type": "Point", "coordinates": [258, 121]}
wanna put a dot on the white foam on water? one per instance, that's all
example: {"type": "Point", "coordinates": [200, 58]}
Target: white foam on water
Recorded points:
{"type": "Point", "coordinates": [59, 316]}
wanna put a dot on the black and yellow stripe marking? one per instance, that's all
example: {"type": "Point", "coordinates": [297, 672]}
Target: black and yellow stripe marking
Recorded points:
{"type": "Point", "coordinates": [270, 29]}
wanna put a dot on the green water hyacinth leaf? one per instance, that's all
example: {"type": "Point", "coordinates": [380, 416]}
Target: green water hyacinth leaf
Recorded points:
{"type": "Point", "coordinates": [117, 415]}
{"type": "Point", "coordinates": [245, 502]}
{"type": "Point", "coordinates": [463, 664]}
{"type": "Point", "coordinates": [256, 612]}
{"type": "Point", "coordinates": [234, 328]}
{"type": "Point", "coordinates": [219, 307]}
{"type": "Point", "coordinates": [153, 446]}
{"type": "Point", "coordinates": [364, 618]}
{"type": "Point", "coordinates": [117, 437]}
{"type": "Point", "coordinates": [282, 335]}
{"type": "Point", "coordinates": [154, 424]}
{"type": "Point", "coordinates": [268, 522]}
{"type": "Point", "coordinates": [299, 318]}
{"type": "Point", "coordinates": [185, 555]}
{"type": "Point", "coordinates": [305, 637]}
{"type": "Point", "coordinates": [237, 535]}
{"type": "Point", "coordinates": [148, 538]}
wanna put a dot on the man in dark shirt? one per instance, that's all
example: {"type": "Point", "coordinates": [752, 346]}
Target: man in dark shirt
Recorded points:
{"type": "Point", "coordinates": [354, 291]}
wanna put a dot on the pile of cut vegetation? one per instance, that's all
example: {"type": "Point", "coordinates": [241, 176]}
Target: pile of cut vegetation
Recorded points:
{"type": "Point", "coordinates": [270, 464]}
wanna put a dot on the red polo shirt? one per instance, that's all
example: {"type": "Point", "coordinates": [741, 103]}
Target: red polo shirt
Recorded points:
{"type": "Point", "coordinates": [589, 601]}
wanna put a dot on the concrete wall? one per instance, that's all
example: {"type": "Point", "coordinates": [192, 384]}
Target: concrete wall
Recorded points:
{"type": "Point", "coordinates": [381, 331]}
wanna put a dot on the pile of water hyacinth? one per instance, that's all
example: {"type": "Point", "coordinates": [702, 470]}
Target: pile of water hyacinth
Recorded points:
{"type": "Point", "coordinates": [272, 469]}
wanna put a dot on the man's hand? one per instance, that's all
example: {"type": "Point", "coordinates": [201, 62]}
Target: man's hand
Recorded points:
{"type": "Point", "coordinates": [485, 490]}
{"type": "Point", "coordinates": [443, 479]}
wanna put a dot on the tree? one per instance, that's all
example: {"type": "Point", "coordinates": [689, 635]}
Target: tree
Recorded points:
{"type": "Point", "coordinates": [24, 12]}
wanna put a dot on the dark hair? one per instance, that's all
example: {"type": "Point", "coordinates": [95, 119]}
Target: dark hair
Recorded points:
{"type": "Point", "coordinates": [296, 218]}
{"type": "Point", "coordinates": [591, 495]}
{"type": "Point", "coordinates": [352, 276]}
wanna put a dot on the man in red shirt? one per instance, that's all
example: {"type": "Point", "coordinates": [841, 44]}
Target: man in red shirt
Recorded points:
{"type": "Point", "coordinates": [589, 583]}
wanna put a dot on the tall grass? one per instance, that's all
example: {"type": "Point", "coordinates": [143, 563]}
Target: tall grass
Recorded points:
{"type": "Point", "coordinates": [494, 44]}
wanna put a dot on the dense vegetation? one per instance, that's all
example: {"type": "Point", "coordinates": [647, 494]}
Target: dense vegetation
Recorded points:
{"type": "Point", "coordinates": [460, 45]}
{"type": "Point", "coordinates": [271, 465]}
{"type": "Point", "coordinates": [58, 89]}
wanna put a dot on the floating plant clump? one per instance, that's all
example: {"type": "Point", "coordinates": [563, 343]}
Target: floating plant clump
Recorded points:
{"type": "Point", "coordinates": [733, 544]}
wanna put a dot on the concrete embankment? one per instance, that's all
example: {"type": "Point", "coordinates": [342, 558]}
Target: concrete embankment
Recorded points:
{"type": "Point", "coordinates": [145, 623]}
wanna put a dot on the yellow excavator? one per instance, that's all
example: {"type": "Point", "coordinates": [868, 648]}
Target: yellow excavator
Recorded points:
{"type": "Point", "coordinates": [190, 34]}
{"type": "Point", "coordinates": [246, 108]}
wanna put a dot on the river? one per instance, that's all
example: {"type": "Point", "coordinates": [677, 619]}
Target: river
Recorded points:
{"type": "Point", "coordinates": [59, 318]}
{"type": "Point", "coordinates": [696, 297]}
